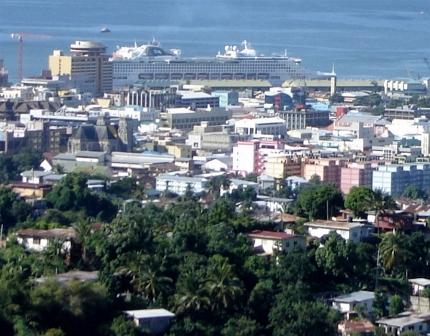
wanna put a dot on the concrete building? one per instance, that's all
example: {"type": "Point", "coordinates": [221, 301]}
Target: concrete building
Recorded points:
{"type": "Point", "coordinates": [425, 143]}
{"type": "Point", "coordinates": [353, 231]}
{"type": "Point", "coordinates": [349, 302]}
{"type": "Point", "coordinates": [185, 119]}
{"type": "Point", "coordinates": [88, 67]}
{"type": "Point", "coordinates": [147, 97]}
{"type": "Point", "coordinates": [404, 86]}
{"type": "Point", "coordinates": [269, 126]}
{"type": "Point", "coordinates": [278, 99]}
{"type": "Point", "coordinates": [328, 170]}
{"type": "Point", "coordinates": [419, 285]}
{"type": "Point", "coordinates": [212, 138]}
{"type": "Point", "coordinates": [4, 76]}
{"type": "Point", "coordinates": [300, 119]}
{"type": "Point", "coordinates": [394, 179]}
{"type": "Point", "coordinates": [154, 321]}
{"type": "Point", "coordinates": [250, 156]}
{"type": "Point", "coordinates": [39, 240]}
{"type": "Point", "coordinates": [355, 174]}
{"type": "Point", "coordinates": [181, 184]}
{"type": "Point", "coordinates": [195, 100]}
{"type": "Point", "coordinates": [268, 242]}
{"type": "Point", "coordinates": [395, 326]}
{"type": "Point", "coordinates": [227, 98]}
{"type": "Point", "coordinates": [282, 165]}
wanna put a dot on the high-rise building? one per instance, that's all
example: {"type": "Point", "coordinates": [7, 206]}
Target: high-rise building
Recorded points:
{"type": "Point", "coordinates": [3, 74]}
{"type": "Point", "coordinates": [425, 143]}
{"type": "Point", "coordinates": [87, 66]}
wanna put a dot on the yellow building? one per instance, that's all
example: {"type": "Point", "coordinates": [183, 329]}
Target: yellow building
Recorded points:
{"type": "Point", "coordinates": [179, 150]}
{"type": "Point", "coordinates": [280, 166]}
{"type": "Point", "coordinates": [88, 67]}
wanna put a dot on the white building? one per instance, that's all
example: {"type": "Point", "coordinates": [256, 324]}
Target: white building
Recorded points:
{"type": "Point", "coordinates": [275, 126]}
{"type": "Point", "coordinates": [156, 321]}
{"type": "Point", "coordinates": [39, 240]}
{"type": "Point", "coordinates": [245, 157]}
{"type": "Point", "coordinates": [349, 302]}
{"type": "Point", "coordinates": [395, 326]}
{"type": "Point", "coordinates": [419, 284]}
{"type": "Point", "coordinates": [425, 143]}
{"type": "Point", "coordinates": [181, 184]}
{"type": "Point", "coordinates": [353, 231]}
{"type": "Point", "coordinates": [268, 242]}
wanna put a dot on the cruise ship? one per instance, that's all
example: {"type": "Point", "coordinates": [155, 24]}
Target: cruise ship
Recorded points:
{"type": "Point", "coordinates": [152, 62]}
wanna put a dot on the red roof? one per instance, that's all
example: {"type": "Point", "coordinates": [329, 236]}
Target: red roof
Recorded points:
{"type": "Point", "coordinates": [270, 234]}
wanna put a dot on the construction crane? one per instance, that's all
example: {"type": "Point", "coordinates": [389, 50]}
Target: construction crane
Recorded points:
{"type": "Point", "coordinates": [20, 58]}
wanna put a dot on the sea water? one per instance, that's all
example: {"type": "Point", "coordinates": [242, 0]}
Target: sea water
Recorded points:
{"type": "Point", "coordinates": [363, 38]}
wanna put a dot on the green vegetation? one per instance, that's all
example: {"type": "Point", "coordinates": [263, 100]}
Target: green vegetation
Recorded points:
{"type": "Point", "coordinates": [319, 201]}
{"type": "Point", "coordinates": [12, 165]}
{"type": "Point", "coordinates": [196, 261]}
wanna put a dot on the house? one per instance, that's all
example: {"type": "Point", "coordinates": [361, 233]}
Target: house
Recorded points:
{"type": "Point", "coordinates": [218, 164]}
{"type": "Point", "coordinates": [39, 240]}
{"type": "Point", "coordinates": [268, 242]}
{"type": "Point", "coordinates": [266, 182]}
{"type": "Point", "coordinates": [395, 326]}
{"type": "Point", "coordinates": [154, 321]}
{"type": "Point", "coordinates": [34, 176]}
{"type": "Point", "coordinates": [419, 284]}
{"type": "Point", "coordinates": [349, 302]}
{"type": "Point", "coordinates": [31, 190]}
{"type": "Point", "coordinates": [354, 231]}
{"type": "Point", "coordinates": [275, 204]}
{"type": "Point", "coordinates": [356, 328]}
{"type": "Point", "coordinates": [391, 221]}
{"type": "Point", "coordinates": [242, 184]}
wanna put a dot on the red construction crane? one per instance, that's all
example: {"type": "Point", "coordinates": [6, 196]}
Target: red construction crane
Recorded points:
{"type": "Point", "coordinates": [20, 37]}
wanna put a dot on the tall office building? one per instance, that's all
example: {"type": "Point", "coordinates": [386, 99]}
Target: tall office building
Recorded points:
{"type": "Point", "coordinates": [87, 66]}
{"type": "Point", "coordinates": [425, 143]}
{"type": "Point", "coordinates": [3, 74]}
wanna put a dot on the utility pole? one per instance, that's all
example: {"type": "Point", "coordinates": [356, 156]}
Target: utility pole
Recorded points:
{"type": "Point", "coordinates": [327, 210]}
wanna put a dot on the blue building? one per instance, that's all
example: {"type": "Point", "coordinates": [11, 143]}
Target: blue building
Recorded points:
{"type": "Point", "coordinates": [394, 179]}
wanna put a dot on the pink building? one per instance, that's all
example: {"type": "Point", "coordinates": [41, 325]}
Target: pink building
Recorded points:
{"type": "Point", "coordinates": [250, 156]}
{"type": "Point", "coordinates": [355, 174]}
{"type": "Point", "coordinates": [328, 170]}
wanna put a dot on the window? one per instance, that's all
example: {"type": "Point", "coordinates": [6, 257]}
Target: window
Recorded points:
{"type": "Point", "coordinates": [36, 241]}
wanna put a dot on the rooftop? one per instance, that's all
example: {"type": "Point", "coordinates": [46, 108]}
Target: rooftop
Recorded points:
{"type": "Point", "coordinates": [355, 297]}
{"type": "Point", "coordinates": [358, 326]}
{"type": "Point", "coordinates": [149, 313]}
{"type": "Point", "coordinates": [420, 281]}
{"type": "Point", "coordinates": [342, 225]}
{"type": "Point", "coordinates": [270, 235]}
{"type": "Point", "coordinates": [402, 321]}
{"type": "Point", "coordinates": [90, 154]}
{"type": "Point", "coordinates": [68, 233]}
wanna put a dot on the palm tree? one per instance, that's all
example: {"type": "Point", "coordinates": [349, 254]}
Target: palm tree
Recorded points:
{"type": "Point", "coordinates": [223, 286]}
{"type": "Point", "coordinates": [381, 202]}
{"type": "Point", "coordinates": [191, 296]}
{"type": "Point", "coordinates": [83, 233]}
{"type": "Point", "coordinates": [151, 283]}
{"type": "Point", "coordinates": [393, 251]}
{"type": "Point", "coordinates": [146, 276]}
{"type": "Point", "coordinates": [214, 187]}
{"type": "Point", "coordinates": [225, 182]}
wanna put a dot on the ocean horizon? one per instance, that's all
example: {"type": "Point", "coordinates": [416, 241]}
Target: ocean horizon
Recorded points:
{"type": "Point", "coordinates": [363, 39]}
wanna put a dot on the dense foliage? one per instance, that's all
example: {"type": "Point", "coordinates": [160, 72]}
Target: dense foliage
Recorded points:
{"type": "Point", "coordinates": [197, 261]}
